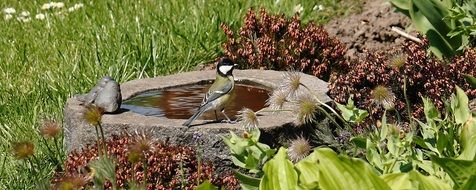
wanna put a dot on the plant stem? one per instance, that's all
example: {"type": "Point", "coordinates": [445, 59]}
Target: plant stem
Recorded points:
{"type": "Point", "coordinates": [327, 106]}
{"type": "Point", "coordinates": [407, 101]}
{"type": "Point", "coordinates": [98, 144]}
{"type": "Point", "coordinates": [52, 154]}
{"type": "Point", "coordinates": [32, 169]}
{"type": "Point", "coordinates": [182, 175]}
{"type": "Point", "coordinates": [60, 154]}
{"type": "Point", "coordinates": [280, 110]}
{"type": "Point", "coordinates": [103, 140]}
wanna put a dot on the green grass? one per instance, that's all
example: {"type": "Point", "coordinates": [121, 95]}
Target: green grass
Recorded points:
{"type": "Point", "coordinates": [43, 62]}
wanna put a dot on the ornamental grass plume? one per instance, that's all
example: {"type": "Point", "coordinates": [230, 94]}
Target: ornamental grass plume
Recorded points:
{"type": "Point", "coordinates": [249, 119]}
{"type": "Point", "coordinates": [299, 149]}
{"type": "Point", "coordinates": [383, 96]}
{"type": "Point", "coordinates": [23, 149]}
{"type": "Point", "coordinates": [50, 129]}
{"type": "Point", "coordinates": [306, 108]}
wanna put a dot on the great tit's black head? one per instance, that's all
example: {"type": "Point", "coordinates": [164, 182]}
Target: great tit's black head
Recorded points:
{"type": "Point", "coordinates": [225, 66]}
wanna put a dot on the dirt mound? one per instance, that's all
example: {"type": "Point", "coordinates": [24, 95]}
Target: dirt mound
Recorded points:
{"type": "Point", "coordinates": [370, 29]}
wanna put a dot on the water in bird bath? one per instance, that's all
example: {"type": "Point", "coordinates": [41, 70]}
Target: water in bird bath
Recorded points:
{"type": "Point", "coordinates": [182, 102]}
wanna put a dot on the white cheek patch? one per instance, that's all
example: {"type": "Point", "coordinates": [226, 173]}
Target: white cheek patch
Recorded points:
{"type": "Point", "coordinates": [224, 69]}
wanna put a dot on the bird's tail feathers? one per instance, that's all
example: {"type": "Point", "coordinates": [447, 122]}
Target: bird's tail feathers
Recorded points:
{"type": "Point", "coordinates": [199, 112]}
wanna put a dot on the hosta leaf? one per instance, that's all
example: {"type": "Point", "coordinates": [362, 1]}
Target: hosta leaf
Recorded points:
{"type": "Point", "coordinates": [338, 172]}
{"type": "Point", "coordinates": [459, 105]}
{"type": "Point", "coordinates": [206, 185]}
{"type": "Point", "coordinates": [414, 180]}
{"type": "Point", "coordinates": [460, 171]}
{"type": "Point", "coordinates": [279, 173]}
{"type": "Point", "coordinates": [308, 172]}
{"type": "Point", "coordinates": [247, 182]}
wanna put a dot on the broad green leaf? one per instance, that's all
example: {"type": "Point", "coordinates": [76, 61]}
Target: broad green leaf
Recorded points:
{"type": "Point", "coordinates": [360, 142]}
{"type": "Point", "coordinates": [460, 171]}
{"type": "Point", "coordinates": [247, 182]}
{"type": "Point", "coordinates": [279, 173]}
{"type": "Point", "coordinates": [468, 131]}
{"type": "Point", "coordinates": [459, 105]}
{"type": "Point", "coordinates": [401, 4]}
{"type": "Point", "coordinates": [429, 22]}
{"type": "Point", "coordinates": [414, 180]}
{"type": "Point", "coordinates": [372, 155]}
{"type": "Point", "coordinates": [430, 110]}
{"type": "Point", "coordinates": [206, 185]}
{"type": "Point", "coordinates": [471, 80]}
{"type": "Point", "coordinates": [470, 184]}
{"type": "Point", "coordinates": [339, 172]}
{"type": "Point", "coordinates": [469, 152]}
{"type": "Point", "coordinates": [236, 144]}
{"type": "Point", "coordinates": [255, 134]}
{"type": "Point", "coordinates": [350, 113]}
{"type": "Point", "coordinates": [251, 163]}
{"type": "Point", "coordinates": [308, 172]}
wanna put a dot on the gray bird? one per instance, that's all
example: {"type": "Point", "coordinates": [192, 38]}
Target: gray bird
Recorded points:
{"type": "Point", "coordinates": [106, 95]}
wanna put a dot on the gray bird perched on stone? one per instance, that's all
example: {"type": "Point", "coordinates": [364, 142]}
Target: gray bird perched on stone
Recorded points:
{"type": "Point", "coordinates": [106, 95]}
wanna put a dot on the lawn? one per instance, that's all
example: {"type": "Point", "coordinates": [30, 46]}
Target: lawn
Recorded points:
{"type": "Point", "coordinates": [45, 61]}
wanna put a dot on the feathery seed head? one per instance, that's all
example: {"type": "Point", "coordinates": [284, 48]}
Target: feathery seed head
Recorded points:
{"type": "Point", "coordinates": [306, 108]}
{"type": "Point", "coordinates": [299, 149]}
{"type": "Point", "coordinates": [248, 118]}
{"type": "Point", "coordinates": [292, 81]}
{"type": "Point", "coordinates": [23, 149]}
{"type": "Point", "coordinates": [50, 129]}
{"type": "Point", "coordinates": [398, 60]}
{"type": "Point", "coordinates": [277, 99]}
{"type": "Point", "coordinates": [383, 96]}
{"type": "Point", "coordinates": [93, 115]}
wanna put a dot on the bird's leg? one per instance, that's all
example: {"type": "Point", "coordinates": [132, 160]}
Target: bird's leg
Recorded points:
{"type": "Point", "coordinates": [228, 119]}
{"type": "Point", "coordinates": [216, 116]}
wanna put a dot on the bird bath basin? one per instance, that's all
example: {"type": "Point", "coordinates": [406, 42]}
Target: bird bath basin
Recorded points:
{"type": "Point", "coordinates": [182, 102]}
{"type": "Point", "coordinates": [78, 133]}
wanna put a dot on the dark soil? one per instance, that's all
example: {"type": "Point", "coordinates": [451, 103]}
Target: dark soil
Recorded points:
{"type": "Point", "coordinates": [370, 29]}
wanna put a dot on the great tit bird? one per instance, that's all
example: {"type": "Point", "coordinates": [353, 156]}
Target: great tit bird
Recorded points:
{"type": "Point", "coordinates": [106, 95]}
{"type": "Point", "coordinates": [219, 93]}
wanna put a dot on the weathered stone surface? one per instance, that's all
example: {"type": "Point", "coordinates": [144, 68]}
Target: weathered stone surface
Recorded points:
{"type": "Point", "coordinates": [78, 133]}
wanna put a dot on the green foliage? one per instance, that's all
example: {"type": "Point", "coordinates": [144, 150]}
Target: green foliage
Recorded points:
{"type": "Point", "coordinates": [43, 62]}
{"type": "Point", "coordinates": [279, 173]}
{"type": "Point", "coordinates": [351, 113]}
{"type": "Point", "coordinates": [104, 169]}
{"type": "Point", "coordinates": [463, 172]}
{"type": "Point", "coordinates": [428, 18]}
{"type": "Point", "coordinates": [324, 169]}
{"type": "Point", "coordinates": [206, 185]}
{"type": "Point", "coordinates": [464, 17]}
{"type": "Point", "coordinates": [247, 152]}
{"type": "Point", "coordinates": [471, 80]}
{"type": "Point", "coordinates": [414, 180]}
{"type": "Point", "coordinates": [388, 150]}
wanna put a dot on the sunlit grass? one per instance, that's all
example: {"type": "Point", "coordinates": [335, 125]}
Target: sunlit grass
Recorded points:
{"type": "Point", "coordinates": [43, 62]}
